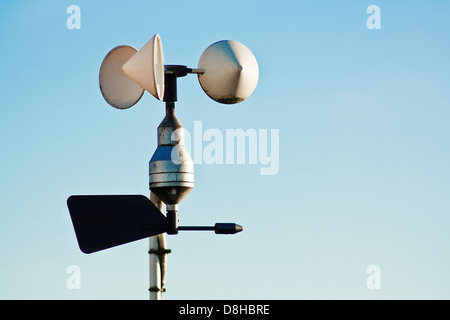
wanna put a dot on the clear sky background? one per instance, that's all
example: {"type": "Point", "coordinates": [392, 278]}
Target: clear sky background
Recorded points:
{"type": "Point", "coordinates": [364, 176]}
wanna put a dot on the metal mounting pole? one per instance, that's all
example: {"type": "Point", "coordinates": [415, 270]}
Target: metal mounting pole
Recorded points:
{"type": "Point", "coordinates": [158, 262]}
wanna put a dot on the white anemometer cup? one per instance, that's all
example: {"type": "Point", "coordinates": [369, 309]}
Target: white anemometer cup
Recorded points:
{"type": "Point", "coordinates": [117, 89]}
{"type": "Point", "coordinates": [146, 67]}
{"type": "Point", "coordinates": [231, 72]}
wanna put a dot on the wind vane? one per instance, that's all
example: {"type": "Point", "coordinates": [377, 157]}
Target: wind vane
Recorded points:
{"type": "Point", "coordinates": [228, 73]}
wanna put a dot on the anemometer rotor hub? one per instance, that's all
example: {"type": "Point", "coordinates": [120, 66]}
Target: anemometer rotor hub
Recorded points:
{"type": "Point", "coordinates": [176, 70]}
{"type": "Point", "coordinates": [171, 73]}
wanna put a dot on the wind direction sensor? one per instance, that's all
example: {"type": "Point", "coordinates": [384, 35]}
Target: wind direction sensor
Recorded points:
{"type": "Point", "coordinates": [227, 72]}
{"type": "Point", "coordinates": [103, 222]}
{"type": "Point", "coordinates": [106, 221]}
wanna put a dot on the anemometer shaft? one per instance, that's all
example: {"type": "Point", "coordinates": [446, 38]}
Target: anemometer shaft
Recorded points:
{"type": "Point", "coordinates": [170, 91]}
{"type": "Point", "coordinates": [172, 219]}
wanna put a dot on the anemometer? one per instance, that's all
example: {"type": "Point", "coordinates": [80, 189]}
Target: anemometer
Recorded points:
{"type": "Point", "coordinates": [227, 72]}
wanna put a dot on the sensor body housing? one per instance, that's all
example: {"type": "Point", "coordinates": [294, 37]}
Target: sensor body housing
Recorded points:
{"type": "Point", "coordinates": [171, 168]}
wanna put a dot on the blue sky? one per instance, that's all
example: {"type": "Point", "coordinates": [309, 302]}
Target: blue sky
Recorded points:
{"type": "Point", "coordinates": [364, 176]}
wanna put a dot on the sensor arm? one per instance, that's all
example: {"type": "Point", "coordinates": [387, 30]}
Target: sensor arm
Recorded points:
{"type": "Point", "coordinates": [196, 71]}
{"type": "Point", "coordinates": [218, 228]}
{"type": "Point", "coordinates": [180, 70]}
